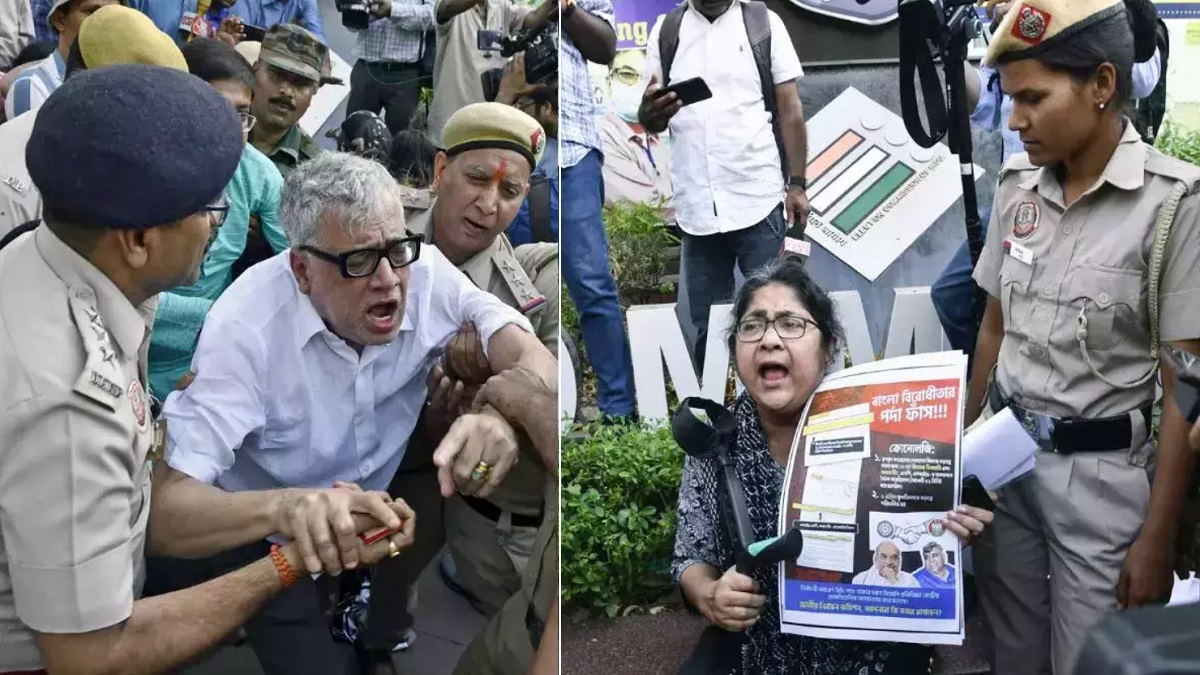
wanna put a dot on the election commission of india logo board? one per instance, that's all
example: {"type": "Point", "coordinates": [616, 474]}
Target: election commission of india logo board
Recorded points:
{"type": "Point", "coordinates": [872, 190]}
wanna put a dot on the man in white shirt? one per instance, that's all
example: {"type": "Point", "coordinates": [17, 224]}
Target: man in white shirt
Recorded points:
{"type": "Point", "coordinates": [725, 160]}
{"type": "Point", "coordinates": [311, 371]}
{"type": "Point", "coordinates": [886, 571]}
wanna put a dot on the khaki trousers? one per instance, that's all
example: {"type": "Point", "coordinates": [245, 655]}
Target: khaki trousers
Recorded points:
{"type": "Point", "coordinates": [1048, 566]}
{"type": "Point", "coordinates": [488, 556]}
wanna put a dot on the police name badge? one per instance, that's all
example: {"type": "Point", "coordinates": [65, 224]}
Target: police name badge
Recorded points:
{"type": "Point", "coordinates": [1018, 251]}
{"type": "Point", "coordinates": [158, 444]}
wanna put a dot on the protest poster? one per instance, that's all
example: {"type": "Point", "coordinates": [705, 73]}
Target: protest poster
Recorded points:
{"type": "Point", "coordinates": [875, 466]}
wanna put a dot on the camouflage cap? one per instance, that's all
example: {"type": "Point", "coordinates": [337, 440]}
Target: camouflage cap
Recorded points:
{"type": "Point", "coordinates": [294, 49]}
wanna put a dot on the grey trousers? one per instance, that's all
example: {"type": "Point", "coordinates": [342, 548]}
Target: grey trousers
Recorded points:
{"type": "Point", "coordinates": [1048, 566]}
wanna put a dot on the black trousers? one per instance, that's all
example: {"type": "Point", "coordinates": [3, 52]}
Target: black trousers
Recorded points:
{"type": "Point", "coordinates": [393, 87]}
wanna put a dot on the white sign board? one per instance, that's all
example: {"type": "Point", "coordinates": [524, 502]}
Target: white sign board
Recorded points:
{"type": "Point", "coordinates": [872, 190]}
{"type": "Point", "coordinates": [328, 97]}
{"type": "Point", "coordinates": [658, 349]}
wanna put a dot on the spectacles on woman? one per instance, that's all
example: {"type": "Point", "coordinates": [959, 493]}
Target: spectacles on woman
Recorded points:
{"type": "Point", "coordinates": [362, 262]}
{"type": "Point", "coordinates": [787, 327]}
{"type": "Point", "coordinates": [248, 121]}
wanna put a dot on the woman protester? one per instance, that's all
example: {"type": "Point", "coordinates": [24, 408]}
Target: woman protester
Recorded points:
{"type": "Point", "coordinates": [785, 337]}
{"type": "Point", "coordinates": [1071, 334]}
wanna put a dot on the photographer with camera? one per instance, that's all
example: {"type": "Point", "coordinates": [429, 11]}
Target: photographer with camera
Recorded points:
{"type": "Point", "coordinates": [389, 53]}
{"type": "Point", "coordinates": [589, 34]}
{"type": "Point", "coordinates": [462, 59]}
{"type": "Point", "coordinates": [991, 109]}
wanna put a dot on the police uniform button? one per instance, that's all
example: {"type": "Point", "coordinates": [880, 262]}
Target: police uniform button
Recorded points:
{"type": "Point", "coordinates": [1104, 298]}
{"type": "Point", "coordinates": [84, 293]}
{"type": "Point", "coordinates": [1048, 290]}
{"type": "Point", "coordinates": [1066, 230]}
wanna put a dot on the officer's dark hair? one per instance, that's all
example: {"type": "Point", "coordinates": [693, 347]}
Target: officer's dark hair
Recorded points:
{"type": "Point", "coordinates": [411, 159]}
{"type": "Point", "coordinates": [1121, 39]}
{"type": "Point", "coordinates": [80, 237]}
{"type": "Point", "coordinates": [74, 63]}
{"type": "Point", "coordinates": [546, 94]}
{"type": "Point", "coordinates": [34, 51]}
{"type": "Point", "coordinates": [789, 271]}
{"type": "Point", "coordinates": [214, 61]}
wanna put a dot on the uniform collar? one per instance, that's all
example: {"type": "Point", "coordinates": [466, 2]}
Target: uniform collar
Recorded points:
{"type": "Point", "coordinates": [478, 267]}
{"type": "Point", "coordinates": [129, 325]}
{"type": "Point", "coordinates": [1125, 169]}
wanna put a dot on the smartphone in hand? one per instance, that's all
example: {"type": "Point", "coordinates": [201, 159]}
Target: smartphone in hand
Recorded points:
{"type": "Point", "coordinates": [254, 33]}
{"type": "Point", "coordinates": [689, 91]}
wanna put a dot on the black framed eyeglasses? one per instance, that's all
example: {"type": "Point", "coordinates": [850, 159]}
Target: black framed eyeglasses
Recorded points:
{"type": "Point", "coordinates": [218, 210]}
{"type": "Point", "coordinates": [362, 262]}
{"type": "Point", "coordinates": [787, 327]}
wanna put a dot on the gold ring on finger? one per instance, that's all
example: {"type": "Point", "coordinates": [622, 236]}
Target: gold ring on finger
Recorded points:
{"type": "Point", "coordinates": [393, 549]}
{"type": "Point", "coordinates": [481, 471]}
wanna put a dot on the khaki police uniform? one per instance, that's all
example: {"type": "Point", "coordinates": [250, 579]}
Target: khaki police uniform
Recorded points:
{"type": "Point", "coordinates": [76, 433]}
{"type": "Point", "coordinates": [1074, 519]}
{"type": "Point", "coordinates": [510, 641]}
{"type": "Point", "coordinates": [490, 550]}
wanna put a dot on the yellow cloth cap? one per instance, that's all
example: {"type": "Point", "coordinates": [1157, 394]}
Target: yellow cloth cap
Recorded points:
{"type": "Point", "coordinates": [494, 125]}
{"type": "Point", "coordinates": [1032, 26]}
{"type": "Point", "coordinates": [115, 34]}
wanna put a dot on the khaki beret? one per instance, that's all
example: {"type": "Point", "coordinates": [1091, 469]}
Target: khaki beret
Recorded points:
{"type": "Point", "coordinates": [1033, 26]}
{"type": "Point", "coordinates": [118, 35]}
{"type": "Point", "coordinates": [494, 125]}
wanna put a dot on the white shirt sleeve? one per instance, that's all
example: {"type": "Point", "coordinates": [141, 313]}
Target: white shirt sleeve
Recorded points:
{"type": "Point", "coordinates": [463, 301]}
{"type": "Point", "coordinates": [785, 63]}
{"type": "Point", "coordinates": [212, 417]}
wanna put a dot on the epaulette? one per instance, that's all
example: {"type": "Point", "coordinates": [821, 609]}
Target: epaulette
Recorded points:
{"type": "Point", "coordinates": [1166, 166]}
{"type": "Point", "coordinates": [530, 299]}
{"type": "Point", "coordinates": [1016, 164]}
{"type": "Point", "coordinates": [416, 198]}
{"type": "Point", "coordinates": [101, 380]}
{"type": "Point", "coordinates": [19, 186]}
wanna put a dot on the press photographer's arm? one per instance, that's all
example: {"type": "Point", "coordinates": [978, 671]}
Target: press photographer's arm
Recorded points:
{"type": "Point", "coordinates": [593, 36]}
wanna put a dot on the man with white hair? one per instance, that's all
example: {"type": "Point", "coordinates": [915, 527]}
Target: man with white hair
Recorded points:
{"type": "Point", "coordinates": [311, 371]}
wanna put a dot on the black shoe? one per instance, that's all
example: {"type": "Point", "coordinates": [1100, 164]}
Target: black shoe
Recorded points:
{"type": "Point", "coordinates": [450, 578]}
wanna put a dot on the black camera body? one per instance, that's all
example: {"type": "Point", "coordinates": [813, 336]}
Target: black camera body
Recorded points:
{"type": "Point", "coordinates": [540, 46]}
{"type": "Point", "coordinates": [356, 14]}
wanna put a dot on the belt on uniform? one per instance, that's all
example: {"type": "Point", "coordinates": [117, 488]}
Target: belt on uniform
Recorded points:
{"type": "Point", "coordinates": [492, 512]}
{"type": "Point", "coordinates": [1067, 436]}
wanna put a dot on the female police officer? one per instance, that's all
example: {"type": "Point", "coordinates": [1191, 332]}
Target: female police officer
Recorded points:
{"type": "Point", "coordinates": [1072, 331]}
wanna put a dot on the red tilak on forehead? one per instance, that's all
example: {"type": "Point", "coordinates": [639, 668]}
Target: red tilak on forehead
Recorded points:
{"type": "Point", "coordinates": [500, 171]}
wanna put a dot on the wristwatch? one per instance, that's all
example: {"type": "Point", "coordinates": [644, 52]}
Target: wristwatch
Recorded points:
{"type": "Point", "coordinates": [798, 182]}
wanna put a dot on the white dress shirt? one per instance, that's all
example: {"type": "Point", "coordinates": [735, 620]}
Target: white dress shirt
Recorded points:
{"type": "Point", "coordinates": [280, 401]}
{"type": "Point", "coordinates": [725, 166]}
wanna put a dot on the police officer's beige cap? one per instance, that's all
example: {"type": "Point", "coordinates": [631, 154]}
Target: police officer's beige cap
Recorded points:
{"type": "Point", "coordinates": [494, 125]}
{"type": "Point", "coordinates": [116, 34]}
{"type": "Point", "coordinates": [59, 4]}
{"type": "Point", "coordinates": [1033, 26]}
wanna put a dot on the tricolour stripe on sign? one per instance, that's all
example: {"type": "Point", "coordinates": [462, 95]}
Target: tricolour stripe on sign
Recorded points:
{"type": "Point", "coordinates": [866, 203]}
{"type": "Point", "coordinates": [852, 175]}
{"type": "Point", "coordinates": [825, 160]}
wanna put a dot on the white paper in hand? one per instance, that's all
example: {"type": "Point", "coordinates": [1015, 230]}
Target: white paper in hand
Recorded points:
{"type": "Point", "coordinates": [998, 451]}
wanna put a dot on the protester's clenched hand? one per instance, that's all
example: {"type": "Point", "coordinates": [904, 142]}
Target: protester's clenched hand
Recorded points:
{"type": "Point", "coordinates": [231, 32]}
{"type": "Point", "coordinates": [1146, 573]}
{"type": "Point", "coordinates": [656, 111]}
{"type": "Point", "coordinates": [968, 522]}
{"type": "Point", "coordinates": [321, 523]}
{"type": "Point", "coordinates": [465, 359]}
{"type": "Point", "coordinates": [734, 602]}
{"type": "Point", "coordinates": [381, 9]}
{"type": "Point", "coordinates": [449, 398]}
{"type": "Point", "coordinates": [473, 438]}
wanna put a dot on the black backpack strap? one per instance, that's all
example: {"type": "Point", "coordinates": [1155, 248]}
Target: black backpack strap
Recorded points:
{"type": "Point", "coordinates": [918, 22]}
{"type": "Point", "coordinates": [668, 41]}
{"type": "Point", "coordinates": [539, 209]}
{"type": "Point", "coordinates": [757, 18]}
{"type": "Point", "coordinates": [18, 231]}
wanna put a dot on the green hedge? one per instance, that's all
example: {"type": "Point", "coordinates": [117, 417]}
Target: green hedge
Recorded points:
{"type": "Point", "coordinates": [1179, 143]}
{"type": "Point", "coordinates": [619, 496]}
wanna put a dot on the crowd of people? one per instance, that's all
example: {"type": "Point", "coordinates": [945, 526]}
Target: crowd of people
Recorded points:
{"type": "Point", "coordinates": [257, 384]}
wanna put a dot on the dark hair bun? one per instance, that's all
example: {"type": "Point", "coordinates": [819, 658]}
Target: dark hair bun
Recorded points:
{"type": "Point", "coordinates": [1143, 19]}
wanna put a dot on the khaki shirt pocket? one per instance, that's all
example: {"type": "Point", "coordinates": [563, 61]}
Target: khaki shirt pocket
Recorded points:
{"type": "Point", "coordinates": [1015, 277]}
{"type": "Point", "coordinates": [1110, 298]}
